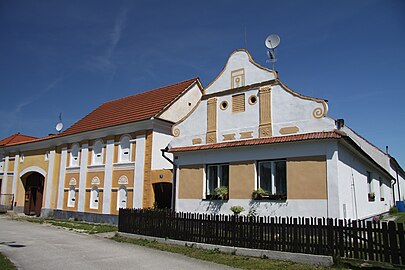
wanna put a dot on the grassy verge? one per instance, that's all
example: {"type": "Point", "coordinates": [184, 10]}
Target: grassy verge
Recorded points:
{"type": "Point", "coordinates": [90, 228]}
{"type": "Point", "coordinates": [5, 263]}
{"type": "Point", "coordinates": [216, 256]}
{"type": "Point", "coordinates": [400, 217]}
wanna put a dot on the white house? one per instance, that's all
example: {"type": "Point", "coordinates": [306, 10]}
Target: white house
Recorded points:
{"type": "Point", "coordinates": [250, 133]}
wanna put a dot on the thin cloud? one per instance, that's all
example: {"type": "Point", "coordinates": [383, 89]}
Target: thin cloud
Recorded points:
{"type": "Point", "coordinates": [39, 94]}
{"type": "Point", "coordinates": [105, 62]}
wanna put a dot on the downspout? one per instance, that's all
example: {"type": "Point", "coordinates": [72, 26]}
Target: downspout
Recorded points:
{"type": "Point", "coordinates": [399, 188]}
{"type": "Point", "coordinates": [174, 182]}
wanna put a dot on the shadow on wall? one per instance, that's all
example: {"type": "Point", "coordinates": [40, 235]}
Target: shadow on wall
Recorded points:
{"type": "Point", "coordinates": [255, 207]}
{"type": "Point", "coordinates": [214, 206]}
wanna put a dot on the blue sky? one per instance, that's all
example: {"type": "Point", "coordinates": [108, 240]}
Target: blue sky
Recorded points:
{"type": "Point", "coordinates": [71, 56]}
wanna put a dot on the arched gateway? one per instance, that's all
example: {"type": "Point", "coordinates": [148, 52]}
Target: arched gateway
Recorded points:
{"type": "Point", "coordinates": [33, 182]}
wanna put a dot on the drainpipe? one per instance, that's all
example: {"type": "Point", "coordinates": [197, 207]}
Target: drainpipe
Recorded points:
{"type": "Point", "coordinates": [399, 188]}
{"type": "Point", "coordinates": [174, 184]}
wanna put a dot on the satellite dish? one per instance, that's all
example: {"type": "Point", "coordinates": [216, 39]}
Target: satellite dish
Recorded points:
{"type": "Point", "coordinates": [272, 41]}
{"type": "Point", "coordinates": [59, 126]}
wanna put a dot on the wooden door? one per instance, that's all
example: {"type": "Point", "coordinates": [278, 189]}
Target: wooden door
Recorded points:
{"type": "Point", "coordinates": [27, 201]}
{"type": "Point", "coordinates": [38, 202]}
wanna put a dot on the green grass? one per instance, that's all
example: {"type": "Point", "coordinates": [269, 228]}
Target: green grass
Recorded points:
{"type": "Point", "coordinates": [90, 228]}
{"type": "Point", "coordinates": [5, 263]}
{"type": "Point", "coordinates": [400, 217]}
{"type": "Point", "coordinates": [216, 256]}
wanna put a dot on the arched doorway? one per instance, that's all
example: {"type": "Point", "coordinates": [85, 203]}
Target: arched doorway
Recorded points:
{"type": "Point", "coordinates": [34, 189]}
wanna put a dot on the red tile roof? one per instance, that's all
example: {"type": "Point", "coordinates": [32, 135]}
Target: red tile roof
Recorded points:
{"type": "Point", "coordinates": [130, 109]}
{"type": "Point", "coordinates": [16, 138]}
{"type": "Point", "coordinates": [260, 141]}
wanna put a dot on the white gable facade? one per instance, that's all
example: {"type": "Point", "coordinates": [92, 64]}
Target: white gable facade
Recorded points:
{"type": "Point", "coordinates": [253, 142]}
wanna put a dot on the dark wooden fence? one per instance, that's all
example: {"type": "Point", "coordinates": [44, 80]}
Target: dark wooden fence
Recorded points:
{"type": "Point", "coordinates": [367, 240]}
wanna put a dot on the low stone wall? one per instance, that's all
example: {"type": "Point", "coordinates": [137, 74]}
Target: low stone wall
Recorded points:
{"type": "Point", "coordinates": [81, 216]}
{"type": "Point", "coordinates": [319, 260]}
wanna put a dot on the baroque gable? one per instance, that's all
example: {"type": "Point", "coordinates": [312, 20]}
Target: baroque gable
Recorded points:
{"type": "Point", "coordinates": [248, 101]}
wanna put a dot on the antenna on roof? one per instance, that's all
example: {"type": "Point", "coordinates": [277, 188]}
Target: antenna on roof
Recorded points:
{"type": "Point", "coordinates": [271, 43]}
{"type": "Point", "coordinates": [59, 125]}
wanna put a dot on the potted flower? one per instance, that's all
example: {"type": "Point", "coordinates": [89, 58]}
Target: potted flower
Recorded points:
{"type": "Point", "coordinates": [221, 193]}
{"type": "Point", "coordinates": [237, 209]}
{"type": "Point", "coordinates": [371, 196]}
{"type": "Point", "coordinates": [260, 194]}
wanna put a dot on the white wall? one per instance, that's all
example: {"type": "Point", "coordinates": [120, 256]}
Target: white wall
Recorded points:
{"type": "Point", "coordinates": [291, 110]}
{"type": "Point", "coordinates": [237, 60]}
{"type": "Point", "coordinates": [318, 208]}
{"type": "Point", "coordinates": [183, 105]}
{"type": "Point", "coordinates": [290, 208]}
{"type": "Point", "coordinates": [353, 187]}
{"type": "Point", "coordinates": [160, 141]}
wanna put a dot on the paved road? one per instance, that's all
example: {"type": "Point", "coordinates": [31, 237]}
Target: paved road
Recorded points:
{"type": "Point", "coordinates": [41, 247]}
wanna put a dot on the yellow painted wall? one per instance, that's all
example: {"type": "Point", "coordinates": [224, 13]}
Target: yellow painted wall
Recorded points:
{"type": "Point", "coordinates": [65, 198]}
{"type": "Point", "coordinates": [55, 179]}
{"type": "Point", "coordinates": [118, 173]}
{"type": "Point", "coordinates": [114, 197]}
{"type": "Point", "coordinates": [69, 176]}
{"type": "Point", "coordinates": [148, 194]}
{"type": "Point", "coordinates": [91, 175]}
{"type": "Point", "coordinates": [34, 158]}
{"type": "Point", "coordinates": [87, 202]}
{"type": "Point", "coordinates": [191, 182]}
{"type": "Point", "coordinates": [241, 180]}
{"type": "Point", "coordinates": [306, 178]}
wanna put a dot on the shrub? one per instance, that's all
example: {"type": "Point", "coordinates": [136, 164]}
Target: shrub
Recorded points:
{"type": "Point", "coordinates": [393, 210]}
{"type": "Point", "coordinates": [237, 209]}
{"type": "Point", "coordinates": [259, 193]}
{"type": "Point", "coordinates": [221, 192]}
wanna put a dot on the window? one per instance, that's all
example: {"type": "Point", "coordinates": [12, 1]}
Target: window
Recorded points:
{"type": "Point", "coordinates": [238, 103]}
{"type": "Point", "coordinates": [46, 156]}
{"type": "Point", "coordinates": [217, 176]}
{"type": "Point", "coordinates": [74, 156]}
{"type": "Point", "coordinates": [369, 182]}
{"type": "Point", "coordinates": [21, 157]}
{"type": "Point", "coordinates": [272, 178]}
{"type": "Point", "coordinates": [371, 194]}
{"type": "Point", "coordinates": [94, 198]}
{"type": "Point", "coordinates": [97, 153]}
{"type": "Point", "coordinates": [382, 198]}
{"type": "Point", "coordinates": [124, 154]}
{"type": "Point", "coordinates": [122, 197]}
{"type": "Point", "coordinates": [71, 197]}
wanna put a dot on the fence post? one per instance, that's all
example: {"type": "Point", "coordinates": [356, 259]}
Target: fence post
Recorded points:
{"type": "Point", "coordinates": [401, 238]}
{"type": "Point", "coordinates": [393, 242]}
{"type": "Point", "coordinates": [341, 240]}
{"type": "Point", "coordinates": [370, 242]}
{"type": "Point", "coordinates": [329, 236]}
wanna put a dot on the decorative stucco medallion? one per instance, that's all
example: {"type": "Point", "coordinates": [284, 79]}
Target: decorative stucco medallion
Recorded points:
{"type": "Point", "coordinates": [318, 113]}
{"type": "Point", "coordinates": [123, 180]}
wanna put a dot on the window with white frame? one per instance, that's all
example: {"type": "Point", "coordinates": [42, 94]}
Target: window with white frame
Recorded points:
{"type": "Point", "coordinates": [46, 157]}
{"type": "Point", "coordinates": [74, 155]}
{"type": "Point", "coordinates": [382, 198]}
{"type": "Point", "coordinates": [371, 194]}
{"type": "Point", "coordinates": [272, 178]}
{"type": "Point", "coordinates": [21, 157]}
{"type": "Point", "coordinates": [217, 176]}
{"type": "Point", "coordinates": [97, 157]}
{"type": "Point", "coordinates": [122, 197]}
{"type": "Point", "coordinates": [94, 194]}
{"type": "Point", "coordinates": [124, 154]}
{"type": "Point", "coordinates": [369, 182]}
{"type": "Point", "coordinates": [71, 197]}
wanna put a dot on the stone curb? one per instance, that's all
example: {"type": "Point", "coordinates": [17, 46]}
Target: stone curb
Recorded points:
{"type": "Point", "coordinates": [318, 260]}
